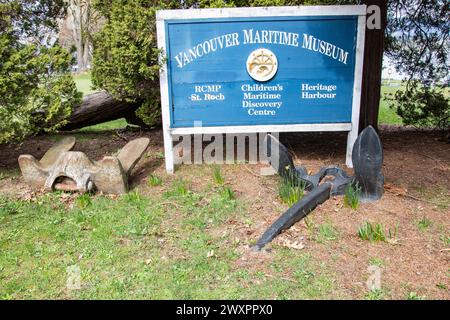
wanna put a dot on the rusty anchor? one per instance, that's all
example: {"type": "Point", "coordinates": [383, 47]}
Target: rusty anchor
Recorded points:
{"type": "Point", "coordinates": [63, 169]}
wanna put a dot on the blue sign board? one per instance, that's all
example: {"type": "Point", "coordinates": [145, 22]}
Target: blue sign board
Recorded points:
{"type": "Point", "coordinates": [284, 69]}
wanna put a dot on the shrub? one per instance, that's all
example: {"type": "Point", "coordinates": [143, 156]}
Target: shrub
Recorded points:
{"type": "Point", "coordinates": [422, 106]}
{"type": "Point", "coordinates": [37, 91]}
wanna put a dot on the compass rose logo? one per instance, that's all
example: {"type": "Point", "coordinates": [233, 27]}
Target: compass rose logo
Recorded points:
{"type": "Point", "coordinates": [262, 65]}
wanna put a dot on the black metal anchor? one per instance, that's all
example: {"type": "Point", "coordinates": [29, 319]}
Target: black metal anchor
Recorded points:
{"type": "Point", "coordinates": [367, 157]}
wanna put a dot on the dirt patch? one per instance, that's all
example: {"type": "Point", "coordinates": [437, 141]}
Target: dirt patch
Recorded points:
{"type": "Point", "coordinates": [417, 173]}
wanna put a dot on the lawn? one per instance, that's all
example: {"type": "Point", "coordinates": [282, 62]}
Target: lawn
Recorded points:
{"type": "Point", "coordinates": [84, 83]}
{"type": "Point", "coordinates": [386, 114]}
{"type": "Point", "coordinates": [142, 247]}
{"type": "Point", "coordinates": [189, 235]}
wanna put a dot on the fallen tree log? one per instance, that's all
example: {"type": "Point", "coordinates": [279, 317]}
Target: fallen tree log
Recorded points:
{"type": "Point", "coordinates": [101, 107]}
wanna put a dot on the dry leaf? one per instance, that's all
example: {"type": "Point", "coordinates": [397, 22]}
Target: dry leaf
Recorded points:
{"type": "Point", "coordinates": [297, 245]}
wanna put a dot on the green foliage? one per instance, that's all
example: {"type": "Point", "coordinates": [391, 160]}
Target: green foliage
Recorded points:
{"type": "Point", "coordinates": [351, 197]}
{"type": "Point", "coordinates": [445, 239]}
{"type": "Point", "coordinates": [227, 194]}
{"type": "Point", "coordinates": [154, 180]}
{"type": "Point", "coordinates": [83, 201]}
{"type": "Point", "coordinates": [376, 294]}
{"type": "Point", "coordinates": [417, 42]}
{"type": "Point", "coordinates": [9, 207]}
{"type": "Point", "coordinates": [309, 224]}
{"type": "Point", "coordinates": [37, 92]}
{"type": "Point", "coordinates": [125, 60]}
{"type": "Point", "coordinates": [414, 296]}
{"type": "Point", "coordinates": [376, 261]}
{"type": "Point", "coordinates": [376, 232]}
{"type": "Point", "coordinates": [178, 189]}
{"type": "Point", "coordinates": [159, 155]}
{"type": "Point", "coordinates": [423, 223]}
{"type": "Point", "coordinates": [126, 57]}
{"type": "Point", "coordinates": [371, 232]}
{"type": "Point", "coordinates": [441, 286]}
{"type": "Point", "coordinates": [291, 189]}
{"type": "Point", "coordinates": [417, 38]}
{"type": "Point", "coordinates": [217, 175]}
{"type": "Point", "coordinates": [327, 232]}
{"type": "Point", "coordinates": [422, 106]}
{"type": "Point", "coordinates": [134, 248]}
{"type": "Point", "coordinates": [133, 197]}
{"type": "Point", "coordinates": [31, 18]}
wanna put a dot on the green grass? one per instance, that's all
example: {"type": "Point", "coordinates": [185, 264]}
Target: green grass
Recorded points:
{"type": "Point", "coordinates": [424, 223]}
{"type": "Point", "coordinates": [351, 197]}
{"type": "Point", "coordinates": [178, 189]}
{"type": "Point", "coordinates": [227, 193]}
{"type": "Point", "coordinates": [377, 294]}
{"type": "Point", "coordinates": [376, 232]}
{"type": "Point", "coordinates": [387, 115]}
{"type": "Point", "coordinates": [414, 296]}
{"type": "Point", "coordinates": [327, 232]}
{"type": "Point", "coordinates": [374, 261]}
{"type": "Point", "coordinates": [106, 126]}
{"type": "Point", "coordinates": [217, 175]}
{"type": "Point", "coordinates": [445, 240]}
{"type": "Point", "coordinates": [154, 180]}
{"type": "Point", "coordinates": [441, 286]}
{"type": "Point", "coordinates": [290, 189]}
{"type": "Point", "coordinates": [84, 83]}
{"type": "Point", "coordinates": [83, 201]}
{"type": "Point", "coordinates": [144, 247]}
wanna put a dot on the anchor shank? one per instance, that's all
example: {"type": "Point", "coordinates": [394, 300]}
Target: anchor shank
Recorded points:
{"type": "Point", "coordinates": [295, 213]}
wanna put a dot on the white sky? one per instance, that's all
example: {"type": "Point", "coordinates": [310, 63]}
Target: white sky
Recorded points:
{"type": "Point", "coordinates": [389, 70]}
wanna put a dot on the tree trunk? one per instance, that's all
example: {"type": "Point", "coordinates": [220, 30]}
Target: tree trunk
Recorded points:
{"type": "Point", "coordinates": [80, 12]}
{"type": "Point", "coordinates": [101, 107]}
{"type": "Point", "coordinates": [372, 67]}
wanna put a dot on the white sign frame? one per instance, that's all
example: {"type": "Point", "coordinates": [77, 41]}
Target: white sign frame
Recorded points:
{"type": "Point", "coordinates": [351, 127]}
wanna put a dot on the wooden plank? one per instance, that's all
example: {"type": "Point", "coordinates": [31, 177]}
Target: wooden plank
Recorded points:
{"type": "Point", "coordinates": [269, 128]}
{"type": "Point", "coordinates": [165, 111]}
{"type": "Point", "coordinates": [353, 134]}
